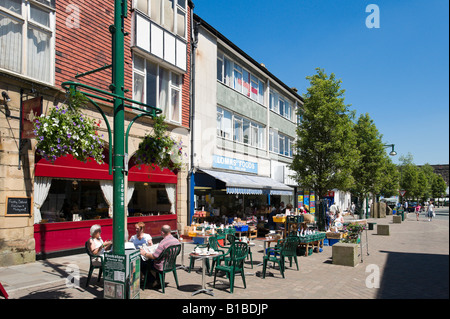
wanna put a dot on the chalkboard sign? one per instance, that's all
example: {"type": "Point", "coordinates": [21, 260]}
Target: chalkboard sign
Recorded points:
{"type": "Point", "coordinates": [18, 206]}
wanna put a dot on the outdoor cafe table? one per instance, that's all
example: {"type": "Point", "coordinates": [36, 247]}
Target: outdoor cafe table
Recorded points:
{"type": "Point", "coordinates": [203, 258]}
{"type": "Point", "coordinates": [184, 241]}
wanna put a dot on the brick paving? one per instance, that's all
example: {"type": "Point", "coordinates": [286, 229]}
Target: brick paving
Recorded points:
{"type": "Point", "coordinates": [412, 263]}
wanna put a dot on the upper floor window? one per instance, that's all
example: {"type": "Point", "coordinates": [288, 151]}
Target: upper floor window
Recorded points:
{"type": "Point", "coordinates": [280, 143]}
{"type": "Point", "coordinates": [171, 14]}
{"type": "Point", "coordinates": [279, 104]}
{"type": "Point", "coordinates": [157, 86]}
{"type": "Point", "coordinates": [27, 38]}
{"type": "Point", "coordinates": [240, 79]}
{"type": "Point", "coordinates": [239, 129]}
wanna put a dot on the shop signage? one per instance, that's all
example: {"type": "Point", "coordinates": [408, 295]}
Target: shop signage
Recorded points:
{"type": "Point", "coordinates": [18, 206]}
{"type": "Point", "coordinates": [31, 109]}
{"type": "Point", "coordinates": [234, 164]}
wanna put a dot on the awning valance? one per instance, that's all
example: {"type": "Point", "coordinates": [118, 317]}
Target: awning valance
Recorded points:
{"type": "Point", "coordinates": [249, 184]}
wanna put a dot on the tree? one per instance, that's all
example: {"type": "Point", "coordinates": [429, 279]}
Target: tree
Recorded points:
{"type": "Point", "coordinates": [409, 176]}
{"type": "Point", "coordinates": [368, 171]}
{"type": "Point", "coordinates": [326, 146]}
{"type": "Point", "coordinates": [390, 178]}
{"type": "Point", "coordinates": [438, 186]}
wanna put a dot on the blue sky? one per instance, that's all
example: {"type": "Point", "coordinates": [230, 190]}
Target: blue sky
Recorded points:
{"type": "Point", "coordinates": [398, 73]}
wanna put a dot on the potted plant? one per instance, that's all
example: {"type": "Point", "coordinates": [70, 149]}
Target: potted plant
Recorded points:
{"type": "Point", "coordinates": [65, 130]}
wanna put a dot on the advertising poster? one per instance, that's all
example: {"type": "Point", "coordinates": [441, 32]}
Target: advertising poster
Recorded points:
{"type": "Point", "coordinates": [306, 200]}
{"type": "Point", "coordinates": [300, 199]}
{"type": "Point", "coordinates": [312, 203]}
{"type": "Point", "coordinates": [135, 275]}
{"type": "Point", "coordinates": [114, 276]}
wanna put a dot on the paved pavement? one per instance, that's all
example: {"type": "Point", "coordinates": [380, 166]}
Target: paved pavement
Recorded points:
{"type": "Point", "coordinates": [411, 263]}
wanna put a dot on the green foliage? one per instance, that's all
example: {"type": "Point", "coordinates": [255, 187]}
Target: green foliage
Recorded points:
{"type": "Point", "coordinates": [65, 130]}
{"type": "Point", "coordinates": [159, 148]}
{"type": "Point", "coordinates": [325, 148]}
{"type": "Point", "coordinates": [438, 187]}
{"type": "Point", "coordinates": [369, 169]}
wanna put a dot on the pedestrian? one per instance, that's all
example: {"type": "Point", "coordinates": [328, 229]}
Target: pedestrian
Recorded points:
{"type": "Point", "coordinates": [430, 211]}
{"type": "Point", "coordinates": [418, 208]}
{"type": "Point", "coordinates": [406, 206]}
{"type": "Point", "coordinates": [352, 210]}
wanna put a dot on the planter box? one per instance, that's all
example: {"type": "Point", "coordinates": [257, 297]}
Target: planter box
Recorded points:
{"type": "Point", "coordinates": [345, 254]}
{"type": "Point", "coordinates": [397, 219]}
{"type": "Point", "coordinates": [383, 230]}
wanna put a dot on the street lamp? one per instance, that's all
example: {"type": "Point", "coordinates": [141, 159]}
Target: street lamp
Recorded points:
{"type": "Point", "coordinates": [393, 152]}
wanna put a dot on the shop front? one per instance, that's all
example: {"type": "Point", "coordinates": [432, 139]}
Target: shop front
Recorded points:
{"type": "Point", "coordinates": [226, 195]}
{"type": "Point", "coordinates": [70, 196]}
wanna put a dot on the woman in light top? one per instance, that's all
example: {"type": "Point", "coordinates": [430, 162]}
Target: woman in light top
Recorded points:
{"type": "Point", "coordinates": [96, 244]}
{"type": "Point", "coordinates": [141, 238]}
{"type": "Point", "coordinates": [339, 220]}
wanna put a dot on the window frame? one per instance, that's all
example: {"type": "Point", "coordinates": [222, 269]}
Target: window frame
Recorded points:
{"type": "Point", "coordinates": [171, 87]}
{"type": "Point", "coordinates": [173, 28]}
{"type": "Point", "coordinates": [229, 78]}
{"type": "Point", "coordinates": [221, 130]}
{"type": "Point", "coordinates": [24, 18]}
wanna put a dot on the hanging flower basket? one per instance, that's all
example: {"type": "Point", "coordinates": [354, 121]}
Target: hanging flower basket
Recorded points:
{"type": "Point", "coordinates": [67, 131]}
{"type": "Point", "coordinates": [160, 149]}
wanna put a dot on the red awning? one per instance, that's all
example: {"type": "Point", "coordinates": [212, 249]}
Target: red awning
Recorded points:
{"type": "Point", "coordinates": [69, 167]}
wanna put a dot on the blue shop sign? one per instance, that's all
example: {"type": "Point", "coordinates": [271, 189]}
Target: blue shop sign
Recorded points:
{"type": "Point", "coordinates": [234, 164]}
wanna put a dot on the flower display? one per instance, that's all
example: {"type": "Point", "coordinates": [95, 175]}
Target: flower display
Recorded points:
{"type": "Point", "coordinates": [65, 130]}
{"type": "Point", "coordinates": [160, 149]}
{"type": "Point", "coordinates": [353, 231]}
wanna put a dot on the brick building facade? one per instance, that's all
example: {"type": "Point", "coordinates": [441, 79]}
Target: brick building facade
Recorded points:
{"type": "Point", "coordinates": [70, 38]}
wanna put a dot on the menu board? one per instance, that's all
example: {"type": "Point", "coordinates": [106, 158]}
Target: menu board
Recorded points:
{"type": "Point", "coordinates": [18, 206]}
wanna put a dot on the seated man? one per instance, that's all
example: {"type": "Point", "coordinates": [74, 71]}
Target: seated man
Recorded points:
{"type": "Point", "coordinates": [168, 240]}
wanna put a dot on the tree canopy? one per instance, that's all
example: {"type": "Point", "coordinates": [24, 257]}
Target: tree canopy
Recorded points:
{"type": "Point", "coordinates": [325, 151]}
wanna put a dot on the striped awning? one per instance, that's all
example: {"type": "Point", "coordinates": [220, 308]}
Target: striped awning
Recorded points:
{"type": "Point", "coordinates": [250, 184]}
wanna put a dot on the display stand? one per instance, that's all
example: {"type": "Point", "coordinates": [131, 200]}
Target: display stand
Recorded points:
{"type": "Point", "coordinates": [122, 274]}
{"type": "Point", "coordinates": [361, 245]}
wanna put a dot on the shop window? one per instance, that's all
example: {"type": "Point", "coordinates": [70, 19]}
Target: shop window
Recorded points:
{"type": "Point", "coordinates": [69, 200]}
{"type": "Point", "coordinates": [151, 199]}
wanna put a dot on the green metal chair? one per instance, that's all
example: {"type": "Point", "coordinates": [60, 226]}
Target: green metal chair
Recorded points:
{"type": "Point", "coordinates": [93, 264]}
{"type": "Point", "coordinates": [214, 244]}
{"type": "Point", "coordinates": [289, 249]}
{"type": "Point", "coordinates": [239, 252]}
{"type": "Point", "coordinates": [285, 248]}
{"type": "Point", "coordinates": [273, 254]}
{"type": "Point", "coordinates": [169, 255]}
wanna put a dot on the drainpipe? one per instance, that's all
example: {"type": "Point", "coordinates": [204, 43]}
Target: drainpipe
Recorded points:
{"type": "Point", "coordinates": [191, 181]}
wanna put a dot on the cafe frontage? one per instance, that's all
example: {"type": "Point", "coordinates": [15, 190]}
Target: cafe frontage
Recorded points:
{"type": "Point", "coordinates": [70, 196]}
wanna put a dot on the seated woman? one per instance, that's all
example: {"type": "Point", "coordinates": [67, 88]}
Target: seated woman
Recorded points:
{"type": "Point", "coordinates": [96, 245]}
{"type": "Point", "coordinates": [339, 220]}
{"type": "Point", "coordinates": [141, 238]}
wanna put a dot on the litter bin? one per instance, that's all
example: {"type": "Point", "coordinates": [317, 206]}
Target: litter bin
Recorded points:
{"type": "Point", "coordinates": [401, 212]}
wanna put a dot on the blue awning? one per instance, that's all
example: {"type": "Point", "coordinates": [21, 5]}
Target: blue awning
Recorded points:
{"type": "Point", "coordinates": [250, 184]}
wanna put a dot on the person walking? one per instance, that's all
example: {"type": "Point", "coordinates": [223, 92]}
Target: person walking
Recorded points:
{"type": "Point", "coordinates": [430, 211]}
{"type": "Point", "coordinates": [418, 208]}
